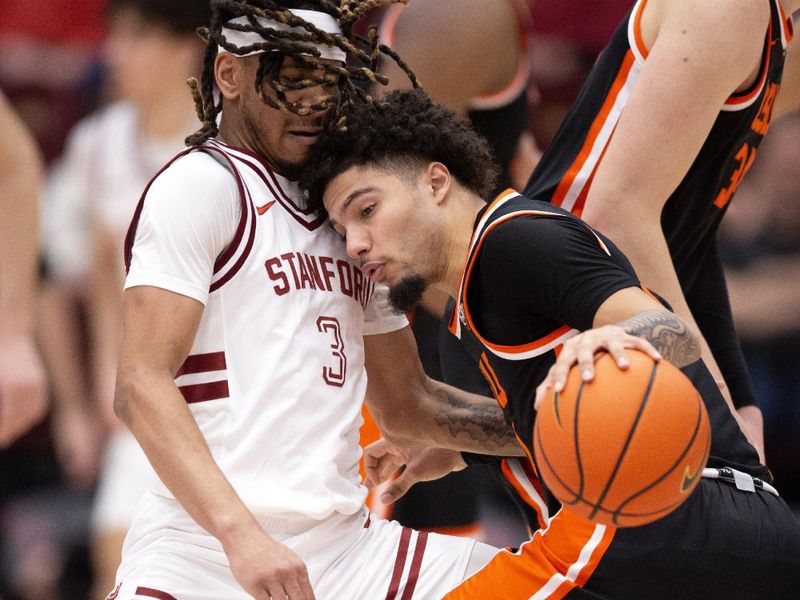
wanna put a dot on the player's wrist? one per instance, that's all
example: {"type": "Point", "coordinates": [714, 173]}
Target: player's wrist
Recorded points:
{"type": "Point", "coordinates": [233, 528]}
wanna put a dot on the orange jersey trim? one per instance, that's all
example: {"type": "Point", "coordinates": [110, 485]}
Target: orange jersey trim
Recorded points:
{"type": "Point", "coordinates": [533, 346]}
{"type": "Point", "coordinates": [647, 291]}
{"type": "Point", "coordinates": [453, 326]}
{"type": "Point", "coordinates": [540, 508]}
{"type": "Point", "coordinates": [597, 125]}
{"type": "Point", "coordinates": [493, 381]}
{"type": "Point", "coordinates": [555, 561]}
{"type": "Point", "coordinates": [637, 30]}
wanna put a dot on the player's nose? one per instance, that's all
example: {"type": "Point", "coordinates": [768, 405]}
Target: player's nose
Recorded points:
{"type": "Point", "coordinates": [358, 243]}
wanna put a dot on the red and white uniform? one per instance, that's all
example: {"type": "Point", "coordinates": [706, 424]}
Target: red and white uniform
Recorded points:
{"type": "Point", "coordinates": [275, 380]}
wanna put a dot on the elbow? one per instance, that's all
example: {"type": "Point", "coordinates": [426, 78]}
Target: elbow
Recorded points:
{"type": "Point", "coordinates": [394, 422]}
{"type": "Point", "coordinates": [399, 415]}
{"type": "Point", "coordinates": [125, 394]}
{"type": "Point", "coordinates": [684, 347]}
{"type": "Point", "coordinates": [694, 347]}
{"type": "Point", "coordinates": [122, 403]}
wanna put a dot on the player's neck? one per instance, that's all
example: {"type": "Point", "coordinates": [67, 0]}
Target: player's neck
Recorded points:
{"type": "Point", "coordinates": [463, 208]}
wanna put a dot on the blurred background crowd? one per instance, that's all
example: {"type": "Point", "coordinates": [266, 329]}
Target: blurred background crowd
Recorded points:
{"type": "Point", "coordinates": [101, 86]}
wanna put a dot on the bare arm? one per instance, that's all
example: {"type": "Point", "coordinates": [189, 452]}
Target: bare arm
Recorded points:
{"type": "Point", "coordinates": [158, 330]}
{"type": "Point", "coordinates": [691, 56]}
{"type": "Point", "coordinates": [22, 384]}
{"type": "Point", "coordinates": [640, 315]}
{"type": "Point", "coordinates": [628, 318]}
{"type": "Point", "coordinates": [411, 408]}
{"type": "Point", "coordinates": [788, 99]}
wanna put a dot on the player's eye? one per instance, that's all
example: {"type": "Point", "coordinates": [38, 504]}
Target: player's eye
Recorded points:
{"type": "Point", "coordinates": [367, 210]}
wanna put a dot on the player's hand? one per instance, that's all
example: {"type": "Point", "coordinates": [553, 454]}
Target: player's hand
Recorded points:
{"type": "Point", "coordinates": [581, 349]}
{"type": "Point", "coordinates": [23, 401]}
{"type": "Point", "coordinates": [400, 468]}
{"type": "Point", "coordinates": [267, 569]}
{"type": "Point", "coordinates": [382, 460]}
{"type": "Point", "coordinates": [77, 444]}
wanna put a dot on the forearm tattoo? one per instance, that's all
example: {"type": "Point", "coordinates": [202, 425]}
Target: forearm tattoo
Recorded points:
{"type": "Point", "coordinates": [478, 426]}
{"type": "Point", "coordinates": [667, 333]}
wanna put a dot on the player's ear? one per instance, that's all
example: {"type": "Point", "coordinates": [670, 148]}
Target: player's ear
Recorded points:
{"type": "Point", "coordinates": [228, 73]}
{"type": "Point", "coordinates": [438, 177]}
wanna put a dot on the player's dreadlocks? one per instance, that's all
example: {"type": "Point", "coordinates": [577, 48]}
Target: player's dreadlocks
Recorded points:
{"type": "Point", "coordinates": [403, 131]}
{"type": "Point", "coordinates": [363, 54]}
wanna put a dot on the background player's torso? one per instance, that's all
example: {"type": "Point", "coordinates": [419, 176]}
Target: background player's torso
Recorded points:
{"type": "Point", "coordinates": [692, 213]}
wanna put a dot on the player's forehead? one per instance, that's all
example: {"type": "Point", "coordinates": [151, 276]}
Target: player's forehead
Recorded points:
{"type": "Point", "coordinates": [342, 191]}
{"type": "Point", "coordinates": [358, 184]}
{"type": "Point", "coordinates": [309, 63]}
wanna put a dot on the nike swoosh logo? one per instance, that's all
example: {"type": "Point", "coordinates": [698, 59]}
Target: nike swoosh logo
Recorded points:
{"type": "Point", "coordinates": [262, 209]}
{"type": "Point", "coordinates": [688, 480]}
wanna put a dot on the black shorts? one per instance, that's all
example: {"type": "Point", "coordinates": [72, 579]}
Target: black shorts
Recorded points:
{"type": "Point", "coordinates": [721, 544]}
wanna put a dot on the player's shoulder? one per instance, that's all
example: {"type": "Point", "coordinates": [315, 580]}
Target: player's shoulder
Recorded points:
{"type": "Point", "coordinates": [521, 213]}
{"type": "Point", "coordinates": [534, 228]}
{"type": "Point", "coordinates": [197, 173]}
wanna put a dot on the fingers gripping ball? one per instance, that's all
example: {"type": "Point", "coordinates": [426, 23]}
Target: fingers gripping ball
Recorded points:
{"type": "Point", "coordinates": [626, 448]}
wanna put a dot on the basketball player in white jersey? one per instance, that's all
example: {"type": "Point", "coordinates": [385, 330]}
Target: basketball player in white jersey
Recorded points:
{"type": "Point", "coordinates": [242, 365]}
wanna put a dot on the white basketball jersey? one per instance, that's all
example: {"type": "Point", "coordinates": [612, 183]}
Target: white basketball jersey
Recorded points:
{"type": "Point", "coordinates": [275, 377]}
{"type": "Point", "coordinates": [100, 177]}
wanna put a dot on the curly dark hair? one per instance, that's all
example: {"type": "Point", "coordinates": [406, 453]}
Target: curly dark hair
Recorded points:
{"type": "Point", "coordinates": [406, 128]}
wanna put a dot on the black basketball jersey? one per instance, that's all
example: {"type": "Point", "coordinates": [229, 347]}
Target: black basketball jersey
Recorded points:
{"type": "Point", "coordinates": [534, 277]}
{"type": "Point", "coordinates": [692, 213]}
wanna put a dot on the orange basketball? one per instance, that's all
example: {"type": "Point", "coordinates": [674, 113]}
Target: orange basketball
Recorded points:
{"type": "Point", "coordinates": [626, 448]}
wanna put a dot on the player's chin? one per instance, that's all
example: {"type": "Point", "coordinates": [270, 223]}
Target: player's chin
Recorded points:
{"type": "Point", "coordinates": [293, 168]}
{"type": "Point", "coordinates": [406, 293]}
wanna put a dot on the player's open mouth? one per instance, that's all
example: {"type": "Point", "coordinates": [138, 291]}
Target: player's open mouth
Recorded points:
{"type": "Point", "coordinates": [372, 270]}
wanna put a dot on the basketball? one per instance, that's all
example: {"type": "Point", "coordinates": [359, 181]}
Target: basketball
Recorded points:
{"type": "Point", "coordinates": [626, 448]}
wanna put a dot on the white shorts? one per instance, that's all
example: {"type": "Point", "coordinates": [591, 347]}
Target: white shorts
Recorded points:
{"type": "Point", "coordinates": [348, 557]}
{"type": "Point", "coordinates": [125, 475]}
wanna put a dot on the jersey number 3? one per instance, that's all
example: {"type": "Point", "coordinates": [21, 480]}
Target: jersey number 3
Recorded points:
{"type": "Point", "coordinates": [333, 374]}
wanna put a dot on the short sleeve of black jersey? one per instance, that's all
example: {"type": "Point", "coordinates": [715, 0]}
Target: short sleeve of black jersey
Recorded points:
{"type": "Point", "coordinates": [550, 267]}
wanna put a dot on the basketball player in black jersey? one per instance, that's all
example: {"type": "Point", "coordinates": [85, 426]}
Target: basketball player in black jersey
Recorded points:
{"type": "Point", "coordinates": [404, 184]}
{"type": "Point", "coordinates": [662, 133]}
{"type": "Point", "coordinates": [486, 80]}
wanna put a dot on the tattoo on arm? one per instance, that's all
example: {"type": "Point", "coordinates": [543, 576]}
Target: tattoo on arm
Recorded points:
{"type": "Point", "coordinates": [477, 425]}
{"type": "Point", "coordinates": [667, 333]}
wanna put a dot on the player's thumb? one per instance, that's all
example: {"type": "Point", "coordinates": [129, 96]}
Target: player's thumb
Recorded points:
{"type": "Point", "coordinates": [396, 489]}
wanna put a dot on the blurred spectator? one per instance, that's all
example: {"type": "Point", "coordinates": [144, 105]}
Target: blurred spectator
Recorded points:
{"type": "Point", "coordinates": [760, 246]}
{"type": "Point", "coordinates": [23, 466]}
{"type": "Point", "coordinates": [150, 50]}
{"type": "Point", "coordinates": [22, 386]}
{"type": "Point", "coordinates": [53, 70]}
